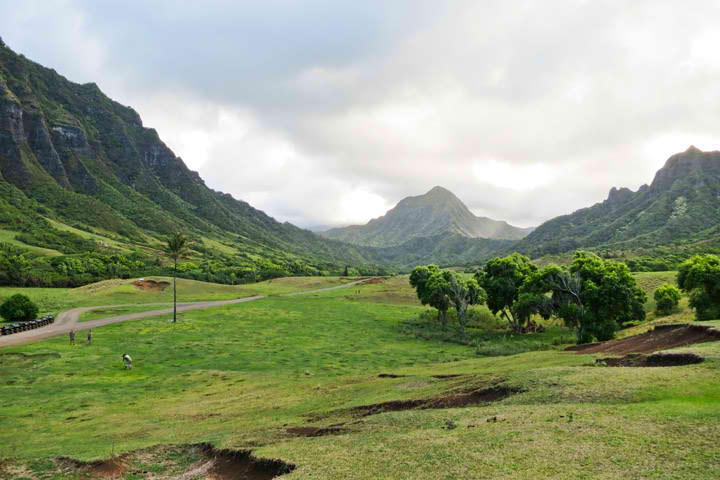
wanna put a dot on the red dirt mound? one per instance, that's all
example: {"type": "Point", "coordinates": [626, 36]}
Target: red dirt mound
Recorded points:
{"type": "Point", "coordinates": [661, 337]}
{"type": "Point", "coordinates": [654, 360]}
{"type": "Point", "coordinates": [314, 431]}
{"type": "Point", "coordinates": [151, 285]}
{"type": "Point", "coordinates": [242, 465]}
{"type": "Point", "coordinates": [453, 400]}
{"type": "Point", "coordinates": [101, 469]}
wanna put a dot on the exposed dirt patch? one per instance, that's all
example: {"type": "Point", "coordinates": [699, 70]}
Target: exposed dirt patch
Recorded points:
{"type": "Point", "coordinates": [453, 400]}
{"type": "Point", "coordinates": [115, 467]}
{"type": "Point", "coordinates": [315, 431]}
{"type": "Point", "coordinates": [449, 375]}
{"type": "Point", "coordinates": [654, 360]}
{"type": "Point", "coordinates": [373, 281]}
{"type": "Point", "coordinates": [151, 285]}
{"type": "Point", "coordinates": [390, 375]}
{"type": "Point", "coordinates": [662, 337]}
{"type": "Point", "coordinates": [184, 462]}
{"type": "Point", "coordinates": [242, 465]}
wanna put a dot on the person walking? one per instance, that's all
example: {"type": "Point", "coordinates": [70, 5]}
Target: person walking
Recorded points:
{"type": "Point", "coordinates": [89, 337]}
{"type": "Point", "coordinates": [128, 361]}
{"type": "Point", "coordinates": [72, 337]}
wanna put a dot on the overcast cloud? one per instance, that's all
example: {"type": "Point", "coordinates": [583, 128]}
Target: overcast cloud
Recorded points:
{"type": "Point", "coordinates": [325, 113]}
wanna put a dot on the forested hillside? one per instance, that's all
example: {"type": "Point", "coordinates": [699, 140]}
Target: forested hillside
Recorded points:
{"type": "Point", "coordinates": [676, 215]}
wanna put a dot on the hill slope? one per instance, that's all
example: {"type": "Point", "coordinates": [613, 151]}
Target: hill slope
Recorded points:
{"type": "Point", "coordinates": [70, 154]}
{"type": "Point", "coordinates": [437, 212]}
{"type": "Point", "coordinates": [680, 206]}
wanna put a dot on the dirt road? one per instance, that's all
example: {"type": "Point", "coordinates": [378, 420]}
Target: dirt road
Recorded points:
{"type": "Point", "coordinates": [69, 319]}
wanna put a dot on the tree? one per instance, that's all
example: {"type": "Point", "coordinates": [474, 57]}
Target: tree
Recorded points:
{"type": "Point", "coordinates": [18, 308]}
{"type": "Point", "coordinates": [594, 297]}
{"type": "Point", "coordinates": [667, 297]}
{"type": "Point", "coordinates": [501, 278]}
{"type": "Point", "coordinates": [699, 276]}
{"type": "Point", "coordinates": [462, 293]}
{"type": "Point", "coordinates": [177, 247]}
{"type": "Point", "coordinates": [14, 266]}
{"type": "Point", "coordinates": [434, 295]}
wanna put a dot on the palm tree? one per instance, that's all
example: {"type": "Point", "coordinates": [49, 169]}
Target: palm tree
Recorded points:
{"type": "Point", "coordinates": [177, 247]}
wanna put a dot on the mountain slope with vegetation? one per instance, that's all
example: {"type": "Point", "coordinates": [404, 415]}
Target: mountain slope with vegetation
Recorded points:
{"type": "Point", "coordinates": [70, 156]}
{"type": "Point", "coordinates": [678, 213]}
{"type": "Point", "coordinates": [436, 212]}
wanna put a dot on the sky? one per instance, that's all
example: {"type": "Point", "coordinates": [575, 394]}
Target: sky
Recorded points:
{"type": "Point", "coordinates": [327, 113]}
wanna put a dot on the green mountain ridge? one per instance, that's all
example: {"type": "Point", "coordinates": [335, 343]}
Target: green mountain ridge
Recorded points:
{"type": "Point", "coordinates": [81, 175]}
{"type": "Point", "coordinates": [90, 162]}
{"type": "Point", "coordinates": [436, 212]}
{"type": "Point", "coordinates": [681, 207]}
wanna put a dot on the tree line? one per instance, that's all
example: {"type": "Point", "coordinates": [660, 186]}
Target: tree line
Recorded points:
{"type": "Point", "coordinates": [593, 297]}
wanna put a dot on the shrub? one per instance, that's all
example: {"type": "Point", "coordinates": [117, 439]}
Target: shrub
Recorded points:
{"type": "Point", "coordinates": [667, 298]}
{"type": "Point", "coordinates": [700, 278]}
{"type": "Point", "coordinates": [18, 308]}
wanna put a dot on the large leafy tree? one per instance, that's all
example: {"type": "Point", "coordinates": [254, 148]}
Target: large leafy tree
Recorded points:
{"type": "Point", "coordinates": [700, 277]}
{"type": "Point", "coordinates": [501, 278]}
{"type": "Point", "coordinates": [462, 294]}
{"type": "Point", "coordinates": [435, 294]}
{"type": "Point", "coordinates": [177, 247]}
{"type": "Point", "coordinates": [594, 297]}
{"type": "Point", "coordinates": [18, 308]}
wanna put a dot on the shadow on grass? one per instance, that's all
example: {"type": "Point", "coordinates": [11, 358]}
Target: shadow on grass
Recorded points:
{"type": "Point", "coordinates": [486, 333]}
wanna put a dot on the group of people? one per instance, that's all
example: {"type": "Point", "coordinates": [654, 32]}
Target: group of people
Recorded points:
{"type": "Point", "coordinates": [127, 360]}
{"type": "Point", "coordinates": [72, 337]}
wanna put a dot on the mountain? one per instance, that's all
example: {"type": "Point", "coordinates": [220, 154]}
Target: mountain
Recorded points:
{"type": "Point", "coordinates": [75, 163]}
{"type": "Point", "coordinates": [679, 208]}
{"type": "Point", "coordinates": [437, 212]}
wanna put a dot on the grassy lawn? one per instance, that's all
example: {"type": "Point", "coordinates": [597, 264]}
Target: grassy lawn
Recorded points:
{"type": "Point", "coordinates": [120, 292]}
{"type": "Point", "coordinates": [239, 376]}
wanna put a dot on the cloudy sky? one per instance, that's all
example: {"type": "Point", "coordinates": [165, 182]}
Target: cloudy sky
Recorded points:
{"type": "Point", "coordinates": [325, 113]}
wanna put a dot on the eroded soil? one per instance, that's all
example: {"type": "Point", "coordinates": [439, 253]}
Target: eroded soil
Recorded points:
{"type": "Point", "coordinates": [654, 360]}
{"type": "Point", "coordinates": [184, 462]}
{"type": "Point", "coordinates": [662, 337]}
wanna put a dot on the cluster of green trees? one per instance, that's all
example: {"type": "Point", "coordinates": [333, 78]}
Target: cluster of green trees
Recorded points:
{"type": "Point", "coordinates": [699, 277]}
{"type": "Point", "coordinates": [593, 297]}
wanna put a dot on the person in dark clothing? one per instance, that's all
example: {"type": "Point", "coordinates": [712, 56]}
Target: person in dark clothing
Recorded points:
{"type": "Point", "coordinates": [72, 337]}
{"type": "Point", "coordinates": [89, 337]}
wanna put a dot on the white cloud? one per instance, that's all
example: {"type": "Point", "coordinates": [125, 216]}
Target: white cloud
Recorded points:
{"type": "Point", "coordinates": [323, 113]}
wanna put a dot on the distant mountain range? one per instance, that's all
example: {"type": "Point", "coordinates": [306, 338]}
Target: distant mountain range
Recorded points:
{"type": "Point", "coordinates": [437, 212]}
{"type": "Point", "coordinates": [80, 171]}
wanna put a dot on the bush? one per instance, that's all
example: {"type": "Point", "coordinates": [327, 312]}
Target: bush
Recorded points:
{"type": "Point", "coordinates": [18, 308]}
{"type": "Point", "coordinates": [667, 298]}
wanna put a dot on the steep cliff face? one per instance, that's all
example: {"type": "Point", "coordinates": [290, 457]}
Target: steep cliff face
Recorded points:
{"type": "Point", "coordinates": [90, 161]}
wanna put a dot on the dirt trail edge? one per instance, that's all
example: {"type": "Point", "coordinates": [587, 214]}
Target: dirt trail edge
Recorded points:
{"type": "Point", "coordinates": [69, 319]}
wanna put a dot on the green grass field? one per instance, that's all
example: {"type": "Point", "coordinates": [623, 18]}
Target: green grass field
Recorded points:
{"type": "Point", "coordinates": [120, 292]}
{"type": "Point", "coordinates": [240, 376]}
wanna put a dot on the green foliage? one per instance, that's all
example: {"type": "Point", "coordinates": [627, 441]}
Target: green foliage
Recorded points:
{"type": "Point", "coordinates": [18, 308]}
{"type": "Point", "coordinates": [14, 265]}
{"type": "Point", "coordinates": [594, 297]}
{"type": "Point", "coordinates": [667, 298]}
{"type": "Point", "coordinates": [431, 285]}
{"type": "Point", "coordinates": [501, 279]}
{"type": "Point", "coordinates": [699, 276]}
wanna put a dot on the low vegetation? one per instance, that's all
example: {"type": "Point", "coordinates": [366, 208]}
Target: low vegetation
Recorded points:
{"type": "Point", "coordinates": [355, 383]}
{"type": "Point", "coordinates": [18, 308]}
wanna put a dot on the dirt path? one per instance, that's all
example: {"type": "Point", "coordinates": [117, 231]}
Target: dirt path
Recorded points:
{"type": "Point", "coordinates": [69, 319]}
